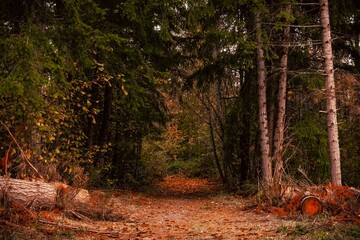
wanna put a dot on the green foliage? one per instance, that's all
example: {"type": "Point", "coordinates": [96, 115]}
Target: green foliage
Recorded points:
{"type": "Point", "coordinates": [353, 231]}
{"type": "Point", "coordinates": [82, 86]}
{"type": "Point", "coordinates": [154, 158]}
{"type": "Point", "coordinates": [299, 230]}
{"type": "Point", "coordinates": [184, 146]}
{"type": "Point", "coordinates": [191, 168]}
{"type": "Point", "coordinates": [350, 151]}
{"type": "Point", "coordinates": [342, 232]}
{"type": "Point", "coordinates": [312, 152]}
{"type": "Point", "coordinates": [308, 82]}
{"type": "Point", "coordinates": [321, 232]}
{"type": "Point", "coordinates": [52, 76]}
{"type": "Point", "coordinates": [308, 146]}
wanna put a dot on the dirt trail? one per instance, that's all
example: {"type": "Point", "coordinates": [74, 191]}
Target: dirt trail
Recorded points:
{"type": "Point", "coordinates": [203, 218]}
{"type": "Point", "coordinates": [187, 209]}
{"type": "Point", "coordinates": [190, 209]}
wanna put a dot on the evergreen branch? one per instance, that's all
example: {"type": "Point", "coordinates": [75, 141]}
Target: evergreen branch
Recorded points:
{"type": "Point", "coordinates": [296, 4]}
{"type": "Point", "coordinates": [194, 111]}
{"type": "Point", "coordinates": [294, 45]}
{"type": "Point", "coordinates": [295, 26]}
{"type": "Point", "coordinates": [305, 4]}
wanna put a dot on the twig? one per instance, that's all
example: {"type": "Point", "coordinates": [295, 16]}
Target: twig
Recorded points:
{"type": "Point", "coordinates": [77, 228]}
{"type": "Point", "coordinates": [10, 224]}
{"type": "Point", "coordinates": [304, 174]}
{"type": "Point", "coordinates": [6, 160]}
{"type": "Point", "coordinates": [23, 155]}
{"type": "Point", "coordinates": [79, 215]}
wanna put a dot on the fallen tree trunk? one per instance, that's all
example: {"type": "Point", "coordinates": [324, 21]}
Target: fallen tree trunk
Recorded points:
{"type": "Point", "coordinates": [39, 195]}
{"type": "Point", "coordinates": [28, 194]}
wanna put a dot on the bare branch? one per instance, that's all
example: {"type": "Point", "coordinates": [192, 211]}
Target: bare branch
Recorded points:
{"type": "Point", "coordinates": [23, 155]}
{"type": "Point", "coordinates": [296, 26]}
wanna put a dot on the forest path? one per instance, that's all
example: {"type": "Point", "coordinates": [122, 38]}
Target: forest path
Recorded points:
{"type": "Point", "coordinates": [186, 209]}
{"type": "Point", "coordinates": [196, 218]}
{"type": "Point", "coordinates": [180, 208]}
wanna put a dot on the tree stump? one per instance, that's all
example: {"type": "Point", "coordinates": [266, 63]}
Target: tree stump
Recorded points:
{"type": "Point", "coordinates": [311, 205]}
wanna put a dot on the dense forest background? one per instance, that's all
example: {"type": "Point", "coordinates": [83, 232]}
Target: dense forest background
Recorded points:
{"type": "Point", "coordinates": [121, 93]}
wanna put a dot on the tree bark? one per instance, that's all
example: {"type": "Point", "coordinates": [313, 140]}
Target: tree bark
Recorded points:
{"type": "Point", "coordinates": [216, 157]}
{"type": "Point", "coordinates": [263, 119]}
{"type": "Point", "coordinates": [332, 126]}
{"type": "Point", "coordinates": [219, 121]}
{"type": "Point", "coordinates": [280, 123]}
{"type": "Point", "coordinates": [104, 136]}
{"type": "Point", "coordinates": [245, 151]}
{"type": "Point", "coordinates": [28, 194]}
{"type": "Point", "coordinates": [106, 121]}
{"type": "Point", "coordinates": [40, 195]}
{"type": "Point", "coordinates": [271, 91]}
{"type": "Point", "coordinates": [91, 131]}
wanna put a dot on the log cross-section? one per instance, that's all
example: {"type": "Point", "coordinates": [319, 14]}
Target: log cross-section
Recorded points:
{"type": "Point", "coordinates": [311, 205]}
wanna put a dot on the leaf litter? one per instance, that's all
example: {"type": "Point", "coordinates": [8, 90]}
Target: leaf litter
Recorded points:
{"type": "Point", "coordinates": [183, 208]}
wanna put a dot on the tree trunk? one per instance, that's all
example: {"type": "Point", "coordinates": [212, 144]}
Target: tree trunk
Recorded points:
{"type": "Point", "coordinates": [91, 131]}
{"type": "Point", "coordinates": [271, 114]}
{"type": "Point", "coordinates": [40, 195]}
{"type": "Point", "coordinates": [245, 151]}
{"type": "Point", "coordinates": [280, 123]}
{"type": "Point", "coordinates": [105, 125]}
{"type": "Point", "coordinates": [263, 119]}
{"type": "Point", "coordinates": [216, 157]}
{"type": "Point", "coordinates": [333, 136]}
{"type": "Point", "coordinates": [104, 136]}
{"type": "Point", "coordinates": [219, 112]}
{"type": "Point", "coordinates": [220, 107]}
{"type": "Point", "coordinates": [28, 194]}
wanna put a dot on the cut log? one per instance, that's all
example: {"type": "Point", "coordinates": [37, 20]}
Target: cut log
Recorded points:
{"type": "Point", "coordinates": [311, 205]}
{"type": "Point", "coordinates": [40, 195]}
{"type": "Point", "coordinates": [28, 194]}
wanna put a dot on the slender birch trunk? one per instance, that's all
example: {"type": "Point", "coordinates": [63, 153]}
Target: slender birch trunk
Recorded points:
{"type": "Point", "coordinates": [333, 136]}
{"type": "Point", "coordinates": [263, 119]}
{"type": "Point", "coordinates": [280, 123]}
